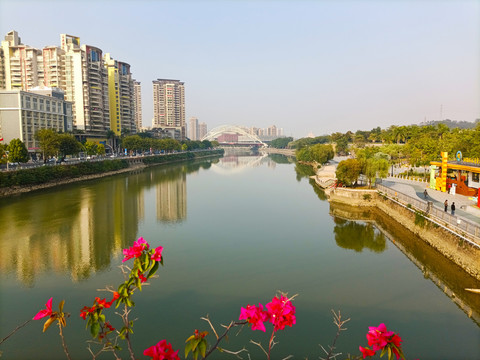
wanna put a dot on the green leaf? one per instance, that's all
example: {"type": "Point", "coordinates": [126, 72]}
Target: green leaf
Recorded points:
{"type": "Point", "coordinates": [94, 329]}
{"type": "Point", "coordinates": [60, 306]}
{"type": "Point", "coordinates": [389, 353]}
{"type": "Point", "coordinates": [203, 347]}
{"type": "Point", "coordinates": [153, 270]}
{"type": "Point", "coordinates": [101, 317]}
{"type": "Point", "coordinates": [384, 350]}
{"type": "Point", "coordinates": [188, 348]}
{"type": "Point", "coordinates": [195, 344]}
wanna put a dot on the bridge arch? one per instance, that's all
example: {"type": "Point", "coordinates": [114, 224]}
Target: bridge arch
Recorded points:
{"type": "Point", "coordinates": [228, 129]}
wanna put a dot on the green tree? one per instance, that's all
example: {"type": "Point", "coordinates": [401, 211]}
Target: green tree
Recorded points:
{"type": "Point", "coordinates": [90, 147]}
{"type": "Point", "coordinates": [100, 149]}
{"type": "Point", "coordinates": [49, 142]}
{"type": "Point", "coordinates": [17, 151]}
{"type": "Point", "coordinates": [281, 143]}
{"type": "Point", "coordinates": [375, 166]}
{"type": "Point", "coordinates": [3, 154]}
{"type": "Point", "coordinates": [68, 145]}
{"type": "Point", "coordinates": [348, 171]}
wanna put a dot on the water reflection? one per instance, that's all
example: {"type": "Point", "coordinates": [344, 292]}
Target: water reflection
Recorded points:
{"type": "Point", "coordinates": [303, 171]}
{"type": "Point", "coordinates": [358, 236]}
{"type": "Point", "coordinates": [233, 163]}
{"type": "Point", "coordinates": [77, 228]}
{"type": "Point", "coordinates": [448, 277]}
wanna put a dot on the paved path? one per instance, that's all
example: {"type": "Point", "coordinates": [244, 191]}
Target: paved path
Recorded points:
{"type": "Point", "coordinates": [416, 189]}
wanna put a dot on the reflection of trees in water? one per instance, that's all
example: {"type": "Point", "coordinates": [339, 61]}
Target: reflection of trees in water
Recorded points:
{"type": "Point", "coordinates": [357, 236]}
{"type": "Point", "coordinates": [282, 159]}
{"type": "Point", "coordinates": [320, 193]}
{"type": "Point", "coordinates": [303, 171]}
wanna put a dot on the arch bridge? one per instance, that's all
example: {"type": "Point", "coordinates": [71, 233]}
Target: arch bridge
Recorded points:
{"type": "Point", "coordinates": [247, 138]}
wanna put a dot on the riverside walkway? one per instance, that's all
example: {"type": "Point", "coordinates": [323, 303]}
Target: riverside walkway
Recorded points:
{"type": "Point", "coordinates": [465, 207]}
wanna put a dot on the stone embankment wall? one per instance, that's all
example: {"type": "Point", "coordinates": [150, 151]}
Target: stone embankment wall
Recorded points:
{"type": "Point", "coordinates": [448, 244]}
{"type": "Point", "coordinates": [287, 152]}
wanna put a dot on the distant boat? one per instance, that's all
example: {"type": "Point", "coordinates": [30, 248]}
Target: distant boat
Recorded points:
{"type": "Point", "coordinates": [476, 291]}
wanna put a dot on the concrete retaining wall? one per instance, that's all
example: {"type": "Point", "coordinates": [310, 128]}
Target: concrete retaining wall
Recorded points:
{"type": "Point", "coordinates": [448, 244]}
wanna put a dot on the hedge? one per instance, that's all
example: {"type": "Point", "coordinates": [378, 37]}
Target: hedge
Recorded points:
{"type": "Point", "coordinates": [45, 174]}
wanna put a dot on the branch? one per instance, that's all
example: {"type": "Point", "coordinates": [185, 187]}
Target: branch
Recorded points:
{"type": "Point", "coordinates": [64, 345]}
{"type": "Point", "coordinates": [15, 330]}
{"type": "Point", "coordinates": [219, 338]}
{"type": "Point", "coordinates": [337, 320]}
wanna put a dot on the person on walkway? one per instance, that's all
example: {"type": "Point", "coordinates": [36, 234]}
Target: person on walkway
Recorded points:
{"type": "Point", "coordinates": [446, 205]}
{"type": "Point", "coordinates": [453, 208]}
{"type": "Point", "coordinates": [425, 193]}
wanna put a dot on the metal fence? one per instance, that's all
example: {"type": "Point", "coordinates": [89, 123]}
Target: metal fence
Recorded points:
{"type": "Point", "coordinates": [461, 226]}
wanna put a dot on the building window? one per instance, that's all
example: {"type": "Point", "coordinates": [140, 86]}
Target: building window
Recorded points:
{"type": "Point", "coordinates": [476, 177]}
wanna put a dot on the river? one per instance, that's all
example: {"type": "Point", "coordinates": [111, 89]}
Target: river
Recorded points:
{"type": "Point", "coordinates": [235, 231]}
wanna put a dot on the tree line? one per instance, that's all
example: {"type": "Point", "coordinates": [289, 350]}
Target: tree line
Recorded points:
{"type": "Point", "coordinates": [375, 150]}
{"type": "Point", "coordinates": [59, 145]}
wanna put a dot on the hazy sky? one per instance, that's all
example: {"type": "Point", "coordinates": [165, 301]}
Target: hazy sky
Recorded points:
{"type": "Point", "coordinates": [305, 66]}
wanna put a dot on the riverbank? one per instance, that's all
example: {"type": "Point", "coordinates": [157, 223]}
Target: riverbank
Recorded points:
{"type": "Point", "coordinates": [134, 164]}
{"type": "Point", "coordinates": [287, 152]}
{"type": "Point", "coordinates": [452, 246]}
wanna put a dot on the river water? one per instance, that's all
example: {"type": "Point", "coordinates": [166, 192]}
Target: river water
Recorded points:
{"type": "Point", "coordinates": [235, 231]}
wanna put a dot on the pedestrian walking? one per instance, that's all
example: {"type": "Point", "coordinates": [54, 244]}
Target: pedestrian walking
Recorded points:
{"type": "Point", "coordinates": [453, 208]}
{"type": "Point", "coordinates": [425, 193]}
{"type": "Point", "coordinates": [446, 205]}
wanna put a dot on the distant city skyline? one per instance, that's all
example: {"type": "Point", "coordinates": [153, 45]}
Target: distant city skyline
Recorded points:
{"type": "Point", "coordinates": [307, 66]}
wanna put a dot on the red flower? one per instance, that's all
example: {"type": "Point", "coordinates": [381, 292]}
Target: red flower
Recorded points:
{"type": "Point", "coordinates": [366, 352]}
{"type": "Point", "coordinates": [142, 278]}
{"type": "Point", "coordinates": [157, 255]}
{"type": "Point", "coordinates": [85, 311]}
{"type": "Point", "coordinates": [378, 337]}
{"type": "Point", "coordinates": [136, 250]}
{"type": "Point", "coordinates": [45, 312]}
{"type": "Point", "coordinates": [255, 315]}
{"type": "Point", "coordinates": [281, 312]}
{"type": "Point", "coordinates": [162, 351]}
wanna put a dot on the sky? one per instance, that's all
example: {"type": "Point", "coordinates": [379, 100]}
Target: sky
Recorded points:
{"type": "Point", "coordinates": [309, 67]}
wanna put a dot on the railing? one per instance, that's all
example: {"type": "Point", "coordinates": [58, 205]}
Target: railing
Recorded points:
{"type": "Point", "coordinates": [459, 225]}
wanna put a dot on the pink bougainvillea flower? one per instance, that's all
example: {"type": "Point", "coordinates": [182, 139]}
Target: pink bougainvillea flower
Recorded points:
{"type": "Point", "coordinates": [255, 315]}
{"type": "Point", "coordinates": [136, 250]}
{"type": "Point", "coordinates": [161, 351]}
{"type": "Point", "coordinates": [157, 255]}
{"type": "Point", "coordinates": [378, 337]}
{"type": "Point", "coordinates": [366, 352]}
{"type": "Point", "coordinates": [45, 312]}
{"type": "Point", "coordinates": [281, 312]}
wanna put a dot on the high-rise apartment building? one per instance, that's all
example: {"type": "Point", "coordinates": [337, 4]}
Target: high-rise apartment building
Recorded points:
{"type": "Point", "coordinates": [20, 64]}
{"type": "Point", "coordinates": [169, 106]}
{"type": "Point", "coordinates": [95, 92]}
{"type": "Point", "coordinates": [193, 128]}
{"type": "Point", "coordinates": [80, 71]}
{"type": "Point", "coordinates": [121, 96]}
{"type": "Point", "coordinates": [137, 103]}
{"type": "Point", "coordinates": [202, 130]}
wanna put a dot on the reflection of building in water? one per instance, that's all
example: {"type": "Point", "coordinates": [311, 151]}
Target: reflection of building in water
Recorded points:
{"type": "Point", "coordinates": [172, 198]}
{"type": "Point", "coordinates": [72, 231]}
{"type": "Point", "coordinates": [237, 163]}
